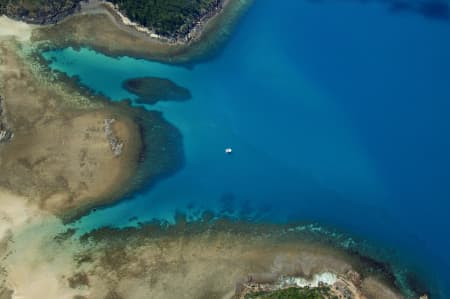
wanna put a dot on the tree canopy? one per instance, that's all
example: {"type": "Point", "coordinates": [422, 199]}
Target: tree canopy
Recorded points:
{"type": "Point", "coordinates": [37, 11]}
{"type": "Point", "coordinates": [166, 17]}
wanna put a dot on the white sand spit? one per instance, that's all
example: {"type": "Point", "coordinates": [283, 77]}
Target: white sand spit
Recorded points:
{"type": "Point", "coordinates": [16, 29]}
{"type": "Point", "coordinates": [14, 212]}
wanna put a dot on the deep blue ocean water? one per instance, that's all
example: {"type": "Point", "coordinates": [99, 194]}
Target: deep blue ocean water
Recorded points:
{"type": "Point", "coordinates": [337, 112]}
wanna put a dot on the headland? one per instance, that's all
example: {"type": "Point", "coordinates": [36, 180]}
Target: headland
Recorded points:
{"type": "Point", "coordinates": [99, 26]}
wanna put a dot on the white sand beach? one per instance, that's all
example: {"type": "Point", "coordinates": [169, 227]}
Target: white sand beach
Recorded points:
{"type": "Point", "coordinates": [15, 29]}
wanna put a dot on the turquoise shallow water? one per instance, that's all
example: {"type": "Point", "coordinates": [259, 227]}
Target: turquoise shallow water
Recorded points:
{"type": "Point", "coordinates": [338, 112]}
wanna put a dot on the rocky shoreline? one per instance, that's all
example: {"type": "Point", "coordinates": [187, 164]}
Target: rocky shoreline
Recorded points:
{"type": "Point", "coordinates": [114, 141]}
{"type": "Point", "coordinates": [51, 12]}
{"type": "Point", "coordinates": [6, 134]}
{"type": "Point", "coordinates": [185, 34]}
{"type": "Point", "coordinates": [327, 285]}
{"type": "Point", "coordinates": [99, 27]}
{"type": "Point", "coordinates": [58, 11]}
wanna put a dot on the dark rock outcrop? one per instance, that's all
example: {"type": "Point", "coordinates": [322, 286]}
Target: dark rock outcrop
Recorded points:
{"type": "Point", "coordinates": [6, 134]}
{"type": "Point", "coordinates": [39, 11]}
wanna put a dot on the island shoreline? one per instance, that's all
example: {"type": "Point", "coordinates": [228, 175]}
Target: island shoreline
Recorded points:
{"type": "Point", "coordinates": [90, 26]}
{"type": "Point", "coordinates": [337, 245]}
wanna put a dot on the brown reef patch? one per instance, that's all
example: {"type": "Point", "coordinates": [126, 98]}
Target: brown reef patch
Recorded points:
{"type": "Point", "coordinates": [60, 156]}
{"type": "Point", "coordinates": [213, 260]}
{"type": "Point", "coordinates": [72, 150]}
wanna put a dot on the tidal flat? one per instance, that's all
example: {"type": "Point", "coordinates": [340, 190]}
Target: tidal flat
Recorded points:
{"type": "Point", "coordinates": [71, 150]}
{"type": "Point", "coordinates": [206, 259]}
{"type": "Point", "coordinates": [63, 152]}
{"type": "Point", "coordinates": [59, 155]}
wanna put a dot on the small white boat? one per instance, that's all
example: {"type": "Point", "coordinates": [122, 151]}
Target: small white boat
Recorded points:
{"type": "Point", "coordinates": [228, 150]}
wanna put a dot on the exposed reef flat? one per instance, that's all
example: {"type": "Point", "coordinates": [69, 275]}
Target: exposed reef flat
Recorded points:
{"type": "Point", "coordinates": [203, 259]}
{"type": "Point", "coordinates": [151, 90]}
{"type": "Point", "coordinates": [71, 150]}
{"type": "Point", "coordinates": [60, 156]}
{"type": "Point", "coordinates": [63, 151]}
{"type": "Point", "coordinates": [212, 260]}
{"type": "Point", "coordinates": [97, 26]}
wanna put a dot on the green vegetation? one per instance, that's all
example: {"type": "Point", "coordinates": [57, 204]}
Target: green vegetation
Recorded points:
{"type": "Point", "coordinates": [293, 293]}
{"type": "Point", "coordinates": [38, 11]}
{"type": "Point", "coordinates": [170, 18]}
